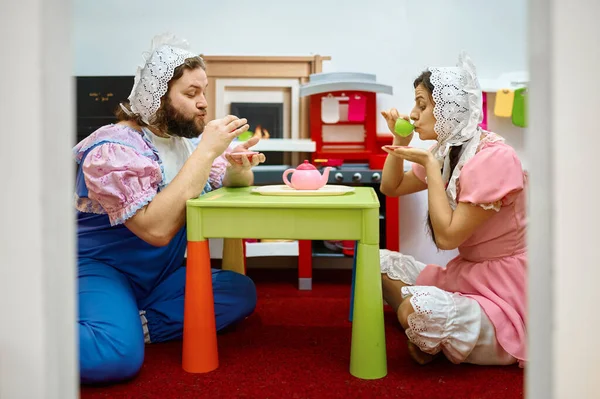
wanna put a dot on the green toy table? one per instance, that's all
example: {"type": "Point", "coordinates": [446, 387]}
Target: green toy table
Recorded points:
{"type": "Point", "coordinates": [240, 213]}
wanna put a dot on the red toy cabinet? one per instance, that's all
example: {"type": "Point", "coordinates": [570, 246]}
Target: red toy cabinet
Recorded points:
{"type": "Point", "coordinates": [346, 140]}
{"type": "Point", "coordinates": [343, 118]}
{"type": "Point", "coordinates": [343, 125]}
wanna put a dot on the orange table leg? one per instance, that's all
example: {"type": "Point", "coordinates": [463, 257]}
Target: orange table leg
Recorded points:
{"type": "Point", "coordinates": [200, 354]}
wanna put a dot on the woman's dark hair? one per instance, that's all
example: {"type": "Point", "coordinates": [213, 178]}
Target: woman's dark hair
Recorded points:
{"type": "Point", "coordinates": [424, 80]}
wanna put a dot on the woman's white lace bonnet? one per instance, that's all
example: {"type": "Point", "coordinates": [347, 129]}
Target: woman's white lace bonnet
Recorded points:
{"type": "Point", "coordinates": [458, 112]}
{"type": "Point", "coordinates": [151, 82]}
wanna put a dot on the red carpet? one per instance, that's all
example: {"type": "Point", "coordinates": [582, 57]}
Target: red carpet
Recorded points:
{"type": "Point", "coordinates": [297, 345]}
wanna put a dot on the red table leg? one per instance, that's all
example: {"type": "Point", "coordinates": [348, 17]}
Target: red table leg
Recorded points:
{"type": "Point", "coordinates": [305, 265]}
{"type": "Point", "coordinates": [392, 223]}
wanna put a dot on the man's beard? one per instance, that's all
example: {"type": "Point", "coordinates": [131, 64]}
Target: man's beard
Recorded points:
{"type": "Point", "coordinates": [180, 126]}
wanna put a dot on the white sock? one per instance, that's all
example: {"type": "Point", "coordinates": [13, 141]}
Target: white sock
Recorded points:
{"type": "Point", "coordinates": [145, 326]}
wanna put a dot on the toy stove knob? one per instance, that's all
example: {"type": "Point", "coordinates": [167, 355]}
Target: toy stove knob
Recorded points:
{"type": "Point", "coordinates": [356, 177]}
{"type": "Point", "coordinates": [376, 177]}
{"type": "Point", "coordinates": [339, 176]}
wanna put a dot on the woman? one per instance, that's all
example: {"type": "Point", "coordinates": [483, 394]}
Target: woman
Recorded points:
{"type": "Point", "coordinates": [473, 310]}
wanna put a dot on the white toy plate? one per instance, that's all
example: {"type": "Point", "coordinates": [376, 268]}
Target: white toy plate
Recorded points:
{"type": "Point", "coordinates": [285, 190]}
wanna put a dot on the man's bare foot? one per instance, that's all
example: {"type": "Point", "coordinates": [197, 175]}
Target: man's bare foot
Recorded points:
{"type": "Point", "coordinates": [418, 355]}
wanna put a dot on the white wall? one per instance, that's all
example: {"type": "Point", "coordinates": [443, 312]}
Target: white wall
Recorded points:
{"type": "Point", "coordinates": [37, 260]}
{"type": "Point", "coordinates": [394, 39]}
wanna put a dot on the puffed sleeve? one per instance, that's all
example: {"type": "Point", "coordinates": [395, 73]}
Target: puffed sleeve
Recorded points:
{"type": "Point", "coordinates": [491, 178]}
{"type": "Point", "coordinates": [120, 179]}
{"type": "Point", "coordinates": [217, 172]}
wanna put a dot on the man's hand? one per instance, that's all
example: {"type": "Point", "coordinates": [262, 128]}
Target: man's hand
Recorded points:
{"type": "Point", "coordinates": [219, 133]}
{"type": "Point", "coordinates": [239, 172]}
{"type": "Point", "coordinates": [243, 161]}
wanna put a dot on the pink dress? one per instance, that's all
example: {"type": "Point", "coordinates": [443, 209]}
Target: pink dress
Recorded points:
{"type": "Point", "coordinates": [491, 267]}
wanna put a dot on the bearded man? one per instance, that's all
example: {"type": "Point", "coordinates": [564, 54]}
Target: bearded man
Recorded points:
{"type": "Point", "coordinates": [133, 180]}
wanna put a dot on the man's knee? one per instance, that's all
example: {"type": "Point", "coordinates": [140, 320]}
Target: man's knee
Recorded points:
{"type": "Point", "coordinates": [235, 297]}
{"type": "Point", "coordinates": [247, 295]}
{"type": "Point", "coordinates": [105, 358]}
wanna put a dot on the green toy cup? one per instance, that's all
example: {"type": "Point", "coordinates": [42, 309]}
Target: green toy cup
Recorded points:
{"type": "Point", "coordinates": [247, 135]}
{"type": "Point", "coordinates": [403, 128]}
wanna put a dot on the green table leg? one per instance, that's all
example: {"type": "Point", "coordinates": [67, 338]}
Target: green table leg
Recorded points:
{"type": "Point", "coordinates": [368, 353]}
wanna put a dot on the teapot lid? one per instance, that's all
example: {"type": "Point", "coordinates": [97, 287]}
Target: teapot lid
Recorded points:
{"type": "Point", "coordinates": [306, 166]}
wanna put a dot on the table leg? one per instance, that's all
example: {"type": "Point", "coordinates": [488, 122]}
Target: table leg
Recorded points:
{"type": "Point", "coordinates": [305, 265]}
{"type": "Point", "coordinates": [392, 220]}
{"type": "Point", "coordinates": [353, 281]}
{"type": "Point", "coordinates": [200, 353]}
{"type": "Point", "coordinates": [368, 353]}
{"type": "Point", "coordinates": [233, 255]}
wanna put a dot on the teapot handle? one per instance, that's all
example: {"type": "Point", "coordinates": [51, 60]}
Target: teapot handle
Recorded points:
{"type": "Point", "coordinates": [285, 179]}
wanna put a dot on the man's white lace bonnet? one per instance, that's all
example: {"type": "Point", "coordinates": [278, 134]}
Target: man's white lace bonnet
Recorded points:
{"type": "Point", "coordinates": [151, 82]}
{"type": "Point", "coordinates": [458, 112]}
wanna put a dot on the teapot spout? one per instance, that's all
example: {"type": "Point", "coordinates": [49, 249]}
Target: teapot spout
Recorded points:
{"type": "Point", "coordinates": [325, 176]}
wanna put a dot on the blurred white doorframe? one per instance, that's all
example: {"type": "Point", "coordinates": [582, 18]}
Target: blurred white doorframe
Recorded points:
{"type": "Point", "coordinates": [562, 146]}
{"type": "Point", "coordinates": [538, 147]}
{"type": "Point", "coordinates": [38, 356]}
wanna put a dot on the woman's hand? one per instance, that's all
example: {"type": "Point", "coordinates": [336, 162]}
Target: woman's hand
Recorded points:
{"type": "Point", "coordinates": [416, 155]}
{"type": "Point", "coordinates": [391, 116]}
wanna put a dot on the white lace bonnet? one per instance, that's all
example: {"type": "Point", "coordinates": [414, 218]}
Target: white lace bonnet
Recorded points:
{"type": "Point", "coordinates": [458, 112]}
{"type": "Point", "coordinates": [151, 82]}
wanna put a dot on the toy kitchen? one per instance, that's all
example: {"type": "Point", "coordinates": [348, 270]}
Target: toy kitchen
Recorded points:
{"type": "Point", "coordinates": [343, 131]}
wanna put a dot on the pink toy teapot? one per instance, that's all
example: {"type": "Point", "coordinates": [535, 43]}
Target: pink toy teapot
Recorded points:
{"type": "Point", "coordinates": [306, 177]}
